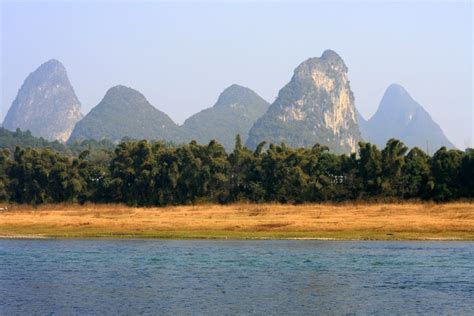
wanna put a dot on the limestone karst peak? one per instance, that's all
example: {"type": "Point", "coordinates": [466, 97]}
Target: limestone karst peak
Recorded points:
{"type": "Point", "coordinates": [400, 116]}
{"type": "Point", "coordinates": [316, 106]}
{"type": "Point", "coordinates": [45, 104]}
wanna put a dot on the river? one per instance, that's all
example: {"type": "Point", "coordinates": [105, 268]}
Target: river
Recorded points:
{"type": "Point", "coordinates": [235, 277]}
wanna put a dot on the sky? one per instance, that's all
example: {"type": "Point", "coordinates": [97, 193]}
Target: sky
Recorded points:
{"type": "Point", "coordinates": [182, 54]}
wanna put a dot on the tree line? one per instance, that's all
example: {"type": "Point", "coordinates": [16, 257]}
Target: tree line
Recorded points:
{"type": "Point", "coordinates": [12, 139]}
{"type": "Point", "coordinates": [147, 174]}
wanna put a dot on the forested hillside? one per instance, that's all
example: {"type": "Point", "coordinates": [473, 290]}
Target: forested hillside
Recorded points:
{"type": "Point", "coordinates": [143, 173]}
{"type": "Point", "coordinates": [125, 112]}
{"type": "Point", "coordinates": [10, 140]}
{"type": "Point", "coordinates": [235, 111]}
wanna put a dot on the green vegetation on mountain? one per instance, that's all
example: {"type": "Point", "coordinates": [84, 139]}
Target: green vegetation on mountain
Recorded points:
{"type": "Point", "coordinates": [98, 152]}
{"type": "Point", "coordinates": [10, 140]}
{"type": "Point", "coordinates": [143, 173]}
{"type": "Point", "coordinates": [235, 111]}
{"type": "Point", "coordinates": [125, 112]}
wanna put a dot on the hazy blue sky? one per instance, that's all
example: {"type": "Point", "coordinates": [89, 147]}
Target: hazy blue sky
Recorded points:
{"type": "Point", "coordinates": [182, 55]}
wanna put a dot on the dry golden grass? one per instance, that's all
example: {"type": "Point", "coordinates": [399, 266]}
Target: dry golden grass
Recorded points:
{"type": "Point", "coordinates": [346, 221]}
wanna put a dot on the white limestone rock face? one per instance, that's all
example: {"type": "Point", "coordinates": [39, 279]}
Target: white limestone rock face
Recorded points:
{"type": "Point", "coordinates": [46, 104]}
{"type": "Point", "coordinates": [316, 106]}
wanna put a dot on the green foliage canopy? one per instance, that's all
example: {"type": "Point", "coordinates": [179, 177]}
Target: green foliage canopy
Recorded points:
{"type": "Point", "coordinates": [145, 174]}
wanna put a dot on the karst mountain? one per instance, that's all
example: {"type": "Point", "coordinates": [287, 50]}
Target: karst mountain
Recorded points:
{"type": "Point", "coordinates": [126, 113]}
{"type": "Point", "coordinates": [235, 111]}
{"type": "Point", "coordinates": [46, 104]}
{"type": "Point", "coordinates": [400, 116]}
{"type": "Point", "coordinates": [316, 106]}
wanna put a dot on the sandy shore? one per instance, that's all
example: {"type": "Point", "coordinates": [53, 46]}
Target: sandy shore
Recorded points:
{"type": "Point", "coordinates": [409, 221]}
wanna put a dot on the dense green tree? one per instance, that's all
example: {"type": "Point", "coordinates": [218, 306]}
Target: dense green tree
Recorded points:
{"type": "Point", "coordinates": [4, 196]}
{"type": "Point", "coordinates": [369, 170]}
{"type": "Point", "coordinates": [415, 177]}
{"type": "Point", "coordinates": [11, 139]}
{"type": "Point", "coordinates": [144, 173]}
{"type": "Point", "coordinates": [393, 160]}
{"type": "Point", "coordinates": [132, 173]}
{"type": "Point", "coordinates": [467, 174]}
{"type": "Point", "coordinates": [445, 167]}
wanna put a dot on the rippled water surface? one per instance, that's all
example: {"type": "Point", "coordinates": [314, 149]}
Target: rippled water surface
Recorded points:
{"type": "Point", "coordinates": [229, 277]}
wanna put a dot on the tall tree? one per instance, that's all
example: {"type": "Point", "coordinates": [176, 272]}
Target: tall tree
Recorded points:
{"type": "Point", "coordinates": [445, 166]}
{"type": "Point", "coordinates": [415, 178]}
{"type": "Point", "coordinates": [393, 160]}
{"type": "Point", "coordinates": [370, 170]}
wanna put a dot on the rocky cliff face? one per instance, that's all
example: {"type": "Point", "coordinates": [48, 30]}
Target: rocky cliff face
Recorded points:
{"type": "Point", "coordinates": [125, 112]}
{"type": "Point", "coordinates": [46, 104]}
{"type": "Point", "coordinates": [316, 106]}
{"type": "Point", "coordinates": [400, 116]}
{"type": "Point", "coordinates": [235, 111]}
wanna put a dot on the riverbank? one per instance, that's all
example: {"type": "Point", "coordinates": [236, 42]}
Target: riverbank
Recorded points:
{"type": "Point", "coordinates": [406, 221]}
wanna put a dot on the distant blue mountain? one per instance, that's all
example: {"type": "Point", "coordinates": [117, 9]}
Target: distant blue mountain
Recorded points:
{"type": "Point", "coordinates": [400, 116]}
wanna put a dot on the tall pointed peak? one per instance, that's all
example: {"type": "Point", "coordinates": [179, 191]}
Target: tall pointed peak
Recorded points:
{"type": "Point", "coordinates": [331, 55]}
{"type": "Point", "coordinates": [45, 104]}
{"type": "Point", "coordinates": [396, 90]}
{"type": "Point", "coordinates": [53, 63]}
{"type": "Point", "coordinates": [400, 116]}
{"type": "Point", "coordinates": [397, 98]}
{"type": "Point", "coordinates": [53, 69]}
{"type": "Point", "coordinates": [328, 61]}
{"type": "Point", "coordinates": [316, 106]}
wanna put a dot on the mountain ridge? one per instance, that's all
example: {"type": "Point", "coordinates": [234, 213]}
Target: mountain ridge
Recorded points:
{"type": "Point", "coordinates": [316, 106]}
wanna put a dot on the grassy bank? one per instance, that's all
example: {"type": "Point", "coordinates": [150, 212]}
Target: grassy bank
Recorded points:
{"type": "Point", "coordinates": [407, 221]}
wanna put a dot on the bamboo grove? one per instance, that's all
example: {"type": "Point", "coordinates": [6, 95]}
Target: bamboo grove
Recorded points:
{"type": "Point", "coordinates": [145, 174]}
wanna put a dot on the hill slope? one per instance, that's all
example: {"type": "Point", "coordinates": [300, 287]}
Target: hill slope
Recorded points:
{"type": "Point", "coordinates": [10, 140]}
{"type": "Point", "coordinates": [235, 111]}
{"type": "Point", "coordinates": [125, 112]}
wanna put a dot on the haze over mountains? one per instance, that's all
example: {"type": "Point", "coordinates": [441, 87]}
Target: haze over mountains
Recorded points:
{"type": "Point", "coordinates": [316, 106]}
{"type": "Point", "coordinates": [399, 116]}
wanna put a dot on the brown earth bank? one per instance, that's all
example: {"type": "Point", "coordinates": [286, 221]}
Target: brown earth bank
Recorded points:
{"type": "Point", "coordinates": [405, 221]}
